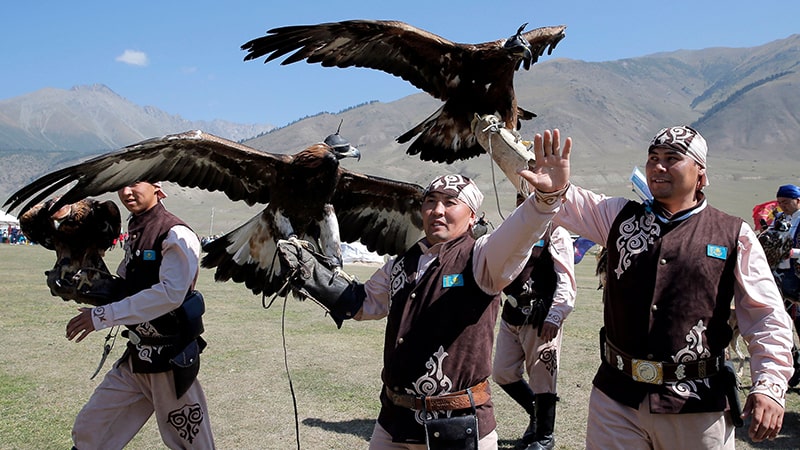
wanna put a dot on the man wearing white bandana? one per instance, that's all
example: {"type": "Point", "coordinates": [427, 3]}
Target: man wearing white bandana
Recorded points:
{"type": "Point", "coordinates": [441, 300]}
{"type": "Point", "coordinates": [674, 265]}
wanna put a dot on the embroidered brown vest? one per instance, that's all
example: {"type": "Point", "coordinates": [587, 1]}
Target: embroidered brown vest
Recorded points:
{"type": "Point", "coordinates": [668, 296]}
{"type": "Point", "coordinates": [439, 336]}
{"type": "Point", "coordinates": [537, 281]}
{"type": "Point", "coordinates": [146, 233]}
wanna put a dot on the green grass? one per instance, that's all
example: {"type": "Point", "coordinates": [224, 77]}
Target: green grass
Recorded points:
{"type": "Point", "coordinates": [44, 379]}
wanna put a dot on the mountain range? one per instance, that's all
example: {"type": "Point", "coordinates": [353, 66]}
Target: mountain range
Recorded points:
{"type": "Point", "coordinates": [745, 102]}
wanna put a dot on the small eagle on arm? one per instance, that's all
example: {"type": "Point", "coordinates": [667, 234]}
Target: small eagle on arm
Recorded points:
{"type": "Point", "coordinates": [471, 79]}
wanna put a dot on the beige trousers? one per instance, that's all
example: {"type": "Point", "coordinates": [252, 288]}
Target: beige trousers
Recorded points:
{"type": "Point", "coordinates": [124, 401]}
{"type": "Point", "coordinates": [519, 349]}
{"type": "Point", "coordinates": [613, 425]}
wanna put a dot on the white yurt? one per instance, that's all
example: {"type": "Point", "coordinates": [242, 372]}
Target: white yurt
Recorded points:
{"type": "Point", "coordinates": [7, 220]}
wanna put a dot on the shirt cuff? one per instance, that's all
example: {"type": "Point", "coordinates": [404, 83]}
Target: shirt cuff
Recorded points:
{"type": "Point", "coordinates": [101, 317]}
{"type": "Point", "coordinates": [547, 202]}
{"type": "Point", "coordinates": [771, 389]}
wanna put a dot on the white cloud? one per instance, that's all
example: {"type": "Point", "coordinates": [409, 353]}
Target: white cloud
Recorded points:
{"type": "Point", "coordinates": [134, 58]}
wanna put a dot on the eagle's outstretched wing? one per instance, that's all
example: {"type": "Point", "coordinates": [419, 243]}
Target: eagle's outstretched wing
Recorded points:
{"type": "Point", "coordinates": [470, 78]}
{"type": "Point", "coordinates": [190, 159]}
{"type": "Point", "coordinates": [417, 56]}
{"type": "Point", "coordinates": [383, 214]}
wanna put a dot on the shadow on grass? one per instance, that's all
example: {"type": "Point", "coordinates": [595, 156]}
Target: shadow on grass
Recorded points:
{"type": "Point", "coordinates": [356, 427]}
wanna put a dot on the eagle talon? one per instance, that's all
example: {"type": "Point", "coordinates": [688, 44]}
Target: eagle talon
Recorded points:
{"type": "Point", "coordinates": [83, 280]}
{"type": "Point", "coordinates": [339, 272]}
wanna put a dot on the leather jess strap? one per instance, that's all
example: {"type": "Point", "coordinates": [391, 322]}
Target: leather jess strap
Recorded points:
{"type": "Point", "coordinates": [445, 402]}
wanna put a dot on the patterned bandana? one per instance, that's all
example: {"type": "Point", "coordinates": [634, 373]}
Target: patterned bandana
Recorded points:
{"type": "Point", "coordinates": [457, 186]}
{"type": "Point", "coordinates": [685, 140]}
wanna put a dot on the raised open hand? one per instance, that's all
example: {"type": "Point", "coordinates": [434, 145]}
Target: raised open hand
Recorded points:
{"type": "Point", "coordinates": [551, 171]}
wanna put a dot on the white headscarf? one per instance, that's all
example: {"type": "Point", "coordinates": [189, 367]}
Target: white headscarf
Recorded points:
{"type": "Point", "coordinates": [457, 186]}
{"type": "Point", "coordinates": [685, 140]}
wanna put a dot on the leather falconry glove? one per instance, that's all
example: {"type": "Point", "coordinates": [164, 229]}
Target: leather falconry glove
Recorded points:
{"type": "Point", "coordinates": [310, 276]}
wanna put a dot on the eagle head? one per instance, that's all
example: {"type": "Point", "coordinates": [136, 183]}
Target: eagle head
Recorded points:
{"type": "Point", "coordinates": [520, 47]}
{"type": "Point", "coordinates": [341, 147]}
{"type": "Point", "coordinates": [79, 233]}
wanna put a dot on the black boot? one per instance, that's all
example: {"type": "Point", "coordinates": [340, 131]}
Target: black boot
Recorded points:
{"type": "Point", "coordinates": [522, 393]}
{"type": "Point", "coordinates": [545, 422]}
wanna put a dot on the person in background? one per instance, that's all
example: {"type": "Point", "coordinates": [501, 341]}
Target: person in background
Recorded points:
{"type": "Point", "coordinates": [162, 313]}
{"type": "Point", "coordinates": [531, 328]}
{"type": "Point", "coordinates": [674, 265]}
{"type": "Point", "coordinates": [788, 270]}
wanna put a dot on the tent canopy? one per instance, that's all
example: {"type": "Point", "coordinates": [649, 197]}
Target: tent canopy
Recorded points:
{"type": "Point", "coordinates": [8, 220]}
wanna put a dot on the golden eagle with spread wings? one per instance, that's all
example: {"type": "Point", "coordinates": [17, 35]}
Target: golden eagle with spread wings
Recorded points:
{"type": "Point", "coordinates": [471, 79]}
{"type": "Point", "coordinates": [308, 195]}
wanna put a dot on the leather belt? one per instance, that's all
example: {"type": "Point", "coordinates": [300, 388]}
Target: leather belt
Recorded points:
{"type": "Point", "coordinates": [445, 402]}
{"type": "Point", "coordinates": [658, 372]}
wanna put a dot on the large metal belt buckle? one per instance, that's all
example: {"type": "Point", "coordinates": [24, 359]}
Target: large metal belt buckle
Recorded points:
{"type": "Point", "coordinates": [647, 371]}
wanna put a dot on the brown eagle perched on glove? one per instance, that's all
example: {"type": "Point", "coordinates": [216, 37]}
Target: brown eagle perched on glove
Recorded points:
{"type": "Point", "coordinates": [79, 233]}
{"type": "Point", "coordinates": [471, 79]}
{"type": "Point", "coordinates": [307, 195]}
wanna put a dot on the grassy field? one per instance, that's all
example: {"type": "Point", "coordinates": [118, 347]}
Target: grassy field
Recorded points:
{"type": "Point", "coordinates": [44, 379]}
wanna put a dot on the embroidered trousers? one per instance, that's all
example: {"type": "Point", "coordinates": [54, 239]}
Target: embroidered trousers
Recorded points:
{"type": "Point", "coordinates": [519, 350]}
{"type": "Point", "coordinates": [124, 401]}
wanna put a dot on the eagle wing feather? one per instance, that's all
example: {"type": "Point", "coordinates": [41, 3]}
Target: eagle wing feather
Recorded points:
{"type": "Point", "coordinates": [398, 48]}
{"type": "Point", "coordinates": [192, 159]}
{"type": "Point", "coordinates": [383, 214]}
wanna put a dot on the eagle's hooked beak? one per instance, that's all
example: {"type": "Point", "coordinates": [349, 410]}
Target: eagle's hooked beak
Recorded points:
{"type": "Point", "coordinates": [341, 147]}
{"type": "Point", "coordinates": [518, 44]}
{"type": "Point", "coordinates": [347, 151]}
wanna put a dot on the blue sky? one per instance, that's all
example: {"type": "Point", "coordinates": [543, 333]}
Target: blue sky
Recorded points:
{"type": "Point", "coordinates": [184, 57]}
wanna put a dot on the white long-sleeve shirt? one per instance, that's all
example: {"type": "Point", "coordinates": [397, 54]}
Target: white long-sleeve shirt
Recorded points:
{"type": "Point", "coordinates": [562, 251]}
{"type": "Point", "coordinates": [179, 269]}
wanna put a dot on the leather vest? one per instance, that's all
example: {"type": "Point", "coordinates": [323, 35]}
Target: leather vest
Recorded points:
{"type": "Point", "coordinates": [146, 233]}
{"type": "Point", "coordinates": [533, 289]}
{"type": "Point", "coordinates": [439, 336]}
{"type": "Point", "coordinates": [667, 298]}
